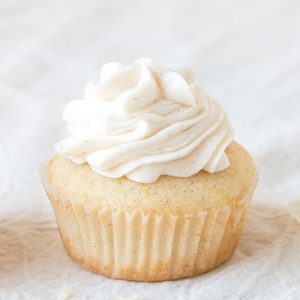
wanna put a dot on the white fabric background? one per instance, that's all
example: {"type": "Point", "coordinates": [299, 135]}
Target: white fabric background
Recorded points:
{"type": "Point", "coordinates": [246, 53]}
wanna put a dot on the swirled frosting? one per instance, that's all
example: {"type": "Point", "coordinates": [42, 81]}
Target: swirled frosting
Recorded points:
{"type": "Point", "coordinates": [143, 121]}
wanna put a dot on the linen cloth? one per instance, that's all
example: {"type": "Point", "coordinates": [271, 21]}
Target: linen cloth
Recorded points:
{"type": "Point", "coordinates": [246, 54]}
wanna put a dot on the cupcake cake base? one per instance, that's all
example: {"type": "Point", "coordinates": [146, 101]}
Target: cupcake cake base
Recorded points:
{"type": "Point", "coordinates": [171, 229]}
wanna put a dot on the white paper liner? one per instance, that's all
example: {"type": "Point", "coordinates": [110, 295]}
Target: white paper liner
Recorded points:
{"type": "Point", "coordinates": [147, 247]}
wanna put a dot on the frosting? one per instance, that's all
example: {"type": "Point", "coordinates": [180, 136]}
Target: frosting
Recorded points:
{"type": "Point", "coordinates": [143, 121]}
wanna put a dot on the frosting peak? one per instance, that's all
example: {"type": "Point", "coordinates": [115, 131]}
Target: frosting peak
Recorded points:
{"type": "Point", "coordinates": [142, 121]}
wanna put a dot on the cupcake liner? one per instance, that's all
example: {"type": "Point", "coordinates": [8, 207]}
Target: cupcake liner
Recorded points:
{"type": "Point", "coordinates": [147, 247]}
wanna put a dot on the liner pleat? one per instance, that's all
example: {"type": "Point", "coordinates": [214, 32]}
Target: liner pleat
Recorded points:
{"type": "Point", "coordinates": [148, 247]}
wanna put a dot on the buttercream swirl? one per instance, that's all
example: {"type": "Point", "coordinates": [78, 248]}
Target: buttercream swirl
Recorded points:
{"type": "Point", "coordinates": [143, 121]}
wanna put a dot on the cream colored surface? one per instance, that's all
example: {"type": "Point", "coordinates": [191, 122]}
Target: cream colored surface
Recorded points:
{"type": "Point", "coordinates": [173, 228]}
{"type": "Point", "coordinates": [246, 53]}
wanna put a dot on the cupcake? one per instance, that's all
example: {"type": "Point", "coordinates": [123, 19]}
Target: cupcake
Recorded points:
{"type": "Point", "coordinates": [150, 185]}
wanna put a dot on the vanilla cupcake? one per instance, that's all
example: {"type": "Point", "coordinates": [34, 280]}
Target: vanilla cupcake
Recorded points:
{"type": "Point", "coordinates": [150, 185]}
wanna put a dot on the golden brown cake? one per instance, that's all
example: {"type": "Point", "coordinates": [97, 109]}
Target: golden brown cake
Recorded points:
{"type": "Point", "coordinates": [169, 229]}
